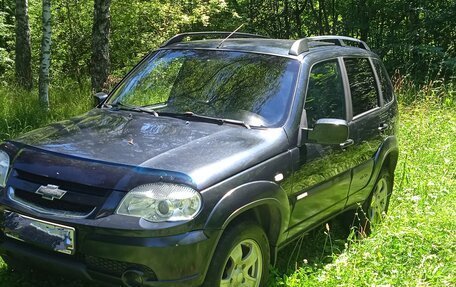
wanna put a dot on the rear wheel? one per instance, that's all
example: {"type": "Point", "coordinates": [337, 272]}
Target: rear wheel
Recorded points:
{"type": "Point", "coordinates": [376, 206]}
{"type": "Point", "coordinates": [241, 258]}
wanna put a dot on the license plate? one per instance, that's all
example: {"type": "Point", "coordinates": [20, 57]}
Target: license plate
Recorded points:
{"type": "Point", "coordinates": [47, 235]}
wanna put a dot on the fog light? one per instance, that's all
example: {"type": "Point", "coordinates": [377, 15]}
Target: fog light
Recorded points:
{"type": "Point", "coordinates": [133, 278]}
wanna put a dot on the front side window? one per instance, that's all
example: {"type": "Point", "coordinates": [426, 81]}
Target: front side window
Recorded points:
{"type": "Point", "coordinates": [363, 86]}
{"type": "Point", "coordinates": [325, 93]}
{"type": "Point", "coordinates": [234, 85]}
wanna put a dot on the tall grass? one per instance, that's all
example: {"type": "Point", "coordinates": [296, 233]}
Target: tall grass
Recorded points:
{"type": "Point", "coordinates": [20, 110]}
{"type": "Point", "coordinates": [437, 92]}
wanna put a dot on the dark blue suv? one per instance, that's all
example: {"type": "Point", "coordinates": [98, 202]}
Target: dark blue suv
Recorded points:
{"type": "Point", "coordinates": [214, 152]}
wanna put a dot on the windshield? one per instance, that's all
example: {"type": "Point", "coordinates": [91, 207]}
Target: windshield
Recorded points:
{"type": "Point", "coordinates": [253, 88]}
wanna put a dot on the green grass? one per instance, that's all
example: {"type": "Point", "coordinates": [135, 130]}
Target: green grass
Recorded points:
{"type": "Point", "coordinates": [20, 110]}
{"type": "Point", "coordinates": [416, 245]}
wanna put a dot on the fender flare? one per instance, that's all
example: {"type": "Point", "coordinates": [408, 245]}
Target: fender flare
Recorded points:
{"type": "Point", "coordinates": [267, 195]}
{"type": "Point", "coordinates": [387, 152]}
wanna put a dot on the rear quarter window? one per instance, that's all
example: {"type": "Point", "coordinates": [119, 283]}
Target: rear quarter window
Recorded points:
{"type": "Point", "coordinates": [385, 82]}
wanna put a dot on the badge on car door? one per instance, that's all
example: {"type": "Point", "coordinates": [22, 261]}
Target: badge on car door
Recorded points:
{"type": "Point", "coordinates": [50, 192]}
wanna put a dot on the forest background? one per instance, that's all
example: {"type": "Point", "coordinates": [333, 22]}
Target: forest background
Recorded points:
{"type": "Point", "coordinates": [415, 38]}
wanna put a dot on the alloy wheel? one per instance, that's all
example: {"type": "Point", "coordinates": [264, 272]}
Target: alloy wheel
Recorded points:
{"type": "Point", "coordinates": [379, 202]}
{"type": "Point", "coordinates": [244, 266]}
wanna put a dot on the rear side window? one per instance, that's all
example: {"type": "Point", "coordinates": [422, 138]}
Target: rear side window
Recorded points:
{"type": "Point", "coordinates": [385, 82]}
{"type": "Point", "coordinates": [325, 93]}
{"type": "Point", "coordinates": [363, 86]}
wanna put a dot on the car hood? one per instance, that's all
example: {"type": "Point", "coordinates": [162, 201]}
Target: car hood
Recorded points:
{"type": "Point", "coordinates": [206, 152]}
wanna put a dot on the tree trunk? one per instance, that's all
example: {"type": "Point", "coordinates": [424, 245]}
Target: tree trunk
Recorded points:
{"type": "Point", "coordinates": [73, 55]}
{"type": "Point", "coordinates": [286, 15]}
{"type": "Point", "coordinates": [320, 18]}
{"type": "Point", "coordinates": [100, 44]}
{"type": "Point", "coordinates": [297, 13]}
{"type": "Point", "coordinates": [45, 55]}
{"type": "Point", "coordinates": [335, 15]}
{"type": "Point", "coordinates": [23, 51]}
{"type": "Point", "coordinates": [363, 19]}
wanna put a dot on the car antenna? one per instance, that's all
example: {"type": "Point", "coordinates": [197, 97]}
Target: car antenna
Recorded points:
{"type": "Point", "coordinates": [220, 44]}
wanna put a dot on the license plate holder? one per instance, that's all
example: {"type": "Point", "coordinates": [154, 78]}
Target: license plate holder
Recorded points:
{"type": "Point", "coordinates": [38, 232]}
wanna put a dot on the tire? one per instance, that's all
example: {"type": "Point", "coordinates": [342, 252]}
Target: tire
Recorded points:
{"type": "Point", "coordinates": [241, 258]}
{"type": "Point", "coordinates": [376, 206]}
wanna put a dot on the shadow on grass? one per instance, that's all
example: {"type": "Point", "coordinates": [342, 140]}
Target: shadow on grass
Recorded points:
{"type": "Point", "coordinates": [314, 250]}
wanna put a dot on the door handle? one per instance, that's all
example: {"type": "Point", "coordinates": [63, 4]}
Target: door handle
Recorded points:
{"type": "Point", "coordinates": [346, 143]}
{"type": "Point", "coordinates": [382, 127]}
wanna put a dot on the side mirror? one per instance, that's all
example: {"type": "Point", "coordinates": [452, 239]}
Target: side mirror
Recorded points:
{"type": "Point", "coordinates": [100, 97]}
{"type": "Point", "coordinates": [329, 131]}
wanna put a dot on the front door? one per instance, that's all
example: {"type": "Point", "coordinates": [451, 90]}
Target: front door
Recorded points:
{"type": "Point", "coordinates": [321, 176]}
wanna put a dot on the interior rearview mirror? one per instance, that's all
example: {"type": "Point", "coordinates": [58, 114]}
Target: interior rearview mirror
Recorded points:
{"type": "Point", "coordinates": [329, 131]}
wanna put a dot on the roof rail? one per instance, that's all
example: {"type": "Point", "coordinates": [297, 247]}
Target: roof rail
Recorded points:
{"type": "Point", "coordinates": [302, 45]}
{"type": "Point", "coordinates": [180, 37]}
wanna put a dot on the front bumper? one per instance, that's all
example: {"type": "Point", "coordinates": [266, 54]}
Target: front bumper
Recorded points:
{"type": "Point", "coordinates": [177, 260]}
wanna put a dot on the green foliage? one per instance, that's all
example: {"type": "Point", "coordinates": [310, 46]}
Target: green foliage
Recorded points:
{"type": "Point", "coordinates": [71, 38]}
{"type": "Point", "coordinates": [6, 43]}
{"type": "Point", "coordinates": [150, 23]}
{"type": "Point", "coordinates": [415, 38]}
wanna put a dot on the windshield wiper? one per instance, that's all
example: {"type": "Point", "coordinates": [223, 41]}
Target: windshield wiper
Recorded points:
{"type": "Point", "coordinates": [219, 121]}
{"type": "Point", "coordinates": [125, 107]}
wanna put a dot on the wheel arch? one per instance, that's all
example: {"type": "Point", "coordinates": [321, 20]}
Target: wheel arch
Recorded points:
{"type": "Point", "coordinates": [387, 156]}
{"type": "Point", "coordinates": [265, 203]}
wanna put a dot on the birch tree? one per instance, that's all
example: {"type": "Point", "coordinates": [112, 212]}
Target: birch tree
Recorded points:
{"type": "Point", "coordinates": [23, 51]}
{"type": "Point", "coordinates": [45, 58]}
{"type": "Point", "coordinates": [100, 44]}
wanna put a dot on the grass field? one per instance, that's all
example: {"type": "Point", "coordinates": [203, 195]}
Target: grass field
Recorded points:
{"type": "Point", "coordinates": [416, 245]}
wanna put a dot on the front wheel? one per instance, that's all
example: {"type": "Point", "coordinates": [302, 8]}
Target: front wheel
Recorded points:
{"type": "Point", "coordinates": [241, 258]}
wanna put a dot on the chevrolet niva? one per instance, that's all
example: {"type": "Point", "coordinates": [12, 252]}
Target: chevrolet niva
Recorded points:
{"type": "Point", "coordinates": [213, 153]}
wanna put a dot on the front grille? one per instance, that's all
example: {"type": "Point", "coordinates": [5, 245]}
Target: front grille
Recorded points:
{"type": "Point", "coordinates": [80, 188]}
{"type": "Point", "coordinates": [52, 204]}
{"type": "Point", "coordinates": [116, 268]}
{"type": "Point", "coordinates": [79, 201]}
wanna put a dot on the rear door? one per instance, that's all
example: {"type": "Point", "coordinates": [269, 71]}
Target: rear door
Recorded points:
{"type": "Point", "coordinates": [367, 123]}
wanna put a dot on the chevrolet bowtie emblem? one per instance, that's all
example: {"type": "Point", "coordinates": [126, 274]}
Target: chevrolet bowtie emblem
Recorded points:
{"type": "Point", "coordinates": [50, 192]}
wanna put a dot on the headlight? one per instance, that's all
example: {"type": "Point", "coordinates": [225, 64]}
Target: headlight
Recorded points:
{"type": "Point", "coordinates": [158, 202]}
{"type": "Point", "coordinates": [4, 166]}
